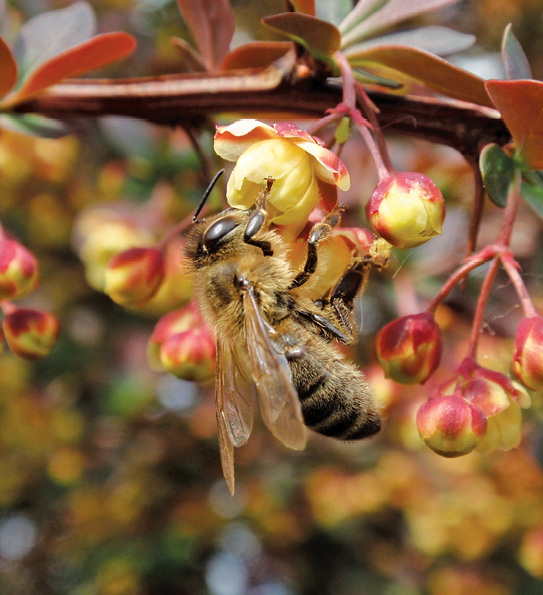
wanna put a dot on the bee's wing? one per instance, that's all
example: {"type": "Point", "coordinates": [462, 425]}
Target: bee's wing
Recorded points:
{"type": "Point", "coordinates": [233, 409]}
{"type": "Point", "coordinates": [226, 446]}
{"type": "Point", "coordinates": [277, 396]}
{"type": "Point", "coordinates": [237, 395]}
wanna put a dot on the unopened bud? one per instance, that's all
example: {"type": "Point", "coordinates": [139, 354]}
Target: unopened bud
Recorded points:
{"type": "Point", "coordinates": [409, 348]}
{"type": "Point", "coordinates": [133, 276]}
{"type": "Point", "coordinates": [18, 269]}
{"type": "Point", "coordinates": [450, 425]}
{"type": "Point", "coordinates": [30, 334]}
{"type": "Point", "coordinates": [406, 209]}
{"type": "Point", "coordinates": [190, 355]}
{"type": "Point", "coordinates": [183, 345]}
{"type": "Point", "coordinates": [528, 358]}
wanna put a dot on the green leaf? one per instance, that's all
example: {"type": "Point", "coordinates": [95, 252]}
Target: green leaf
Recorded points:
{"type": "Point", "coordinates": [533, 195]}
{"type": "Point", "coordinates": [497, 170]}
{"type": "Point", "coordinates": [48, 34]}
{"type": "Point", "coordinates": [369, 78]}
{"type": "Point", "coordinates": [319, 37]}
{"type": "Point", "coordinates": [521, 106]}
{"type": "Point", "coordinates": [383, 16]}
{"type": "Point", "coordinates": [343, 131]}
{"type": "Point", "coordinates": [34, 125]}
{"type": "Point", "coordinates": [514, 59]}
{"type": "Point", "coordinates": [211, 23]}
{"type": "Point", "coordinates": [434, 72]}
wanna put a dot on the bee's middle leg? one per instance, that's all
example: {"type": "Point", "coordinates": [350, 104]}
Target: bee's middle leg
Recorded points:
{"type": "Point", "coordinates": [318, 232]}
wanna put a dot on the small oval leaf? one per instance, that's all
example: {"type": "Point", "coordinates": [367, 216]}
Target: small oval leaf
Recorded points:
{"type": "Point", "coordinates": [95, 53]}
{"type": "Point", "coordinates": [256, 54]}
{"type": "Point", "coordinates": [8, 68]}
{"type": "Point", "coordinates": [384, 15]}
{"type": "Point", "coordinates": [191, 61]}
{"type": "Point", "coordinates": [48, 34]}
{"type": "Point", "coordinates": [497, 170]}
{"type": "Point", "coordinates": [521, 105]}
{"type": "Point", "coordinates": [211, 23]}
{"type": "Point", "coordinates": [319, 37]}
{"type": "Point", "coordinates": [431, 70]}
{"type": "Point", "coordinates": [514, 59]}
{"type": "Point", "coordinates": [436, 40]}
{"type": "Point", "coordinates": [533, 195]}
{"type": "Point", "coordinates": [305, 6]}
{"type": "Point", "coordinates": [34, 125]}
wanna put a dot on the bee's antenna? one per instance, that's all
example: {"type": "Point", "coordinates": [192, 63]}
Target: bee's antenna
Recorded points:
{"type": "Point", "coordinates": [206, 194]}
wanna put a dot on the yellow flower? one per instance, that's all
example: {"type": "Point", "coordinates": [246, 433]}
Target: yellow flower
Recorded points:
{"type": "Point", "coordinates": [304, 172]}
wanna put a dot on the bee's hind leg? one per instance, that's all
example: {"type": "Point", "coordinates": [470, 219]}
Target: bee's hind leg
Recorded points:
{"type": "Point", "coordinates": [318, 232]}
{"type": "Point", "coordinates": [351, 284]}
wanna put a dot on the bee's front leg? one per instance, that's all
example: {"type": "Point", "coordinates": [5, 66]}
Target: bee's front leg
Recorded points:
{"type": "Point", "coordinates": [254, 225]}
{"type": "Point", "coordinates": [318, 232]}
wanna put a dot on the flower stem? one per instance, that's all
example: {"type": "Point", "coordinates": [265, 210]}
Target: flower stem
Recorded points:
{"type": "Point", "coordinates": [501, 248]}
{"type": "Point", "coordinates": [481, 304]}
{"type": "Point", "coordinates": [511, 267]}
{"type": "Point", "coordinates": [173, 232]}
{"type": "Point", "coordinates": [474, 261]}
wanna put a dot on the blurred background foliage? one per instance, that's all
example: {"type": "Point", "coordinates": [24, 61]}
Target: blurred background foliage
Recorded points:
{"type": "Point", "coordinates": [110, 480]}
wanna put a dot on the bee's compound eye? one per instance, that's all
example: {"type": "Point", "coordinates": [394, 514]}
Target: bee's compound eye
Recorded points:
{"type": "Point", "coordinates": [217, 232]}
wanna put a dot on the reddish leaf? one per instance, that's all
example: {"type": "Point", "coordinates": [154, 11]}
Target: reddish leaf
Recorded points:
{"type": "Point", "coordinates": [305, 6]}
{"type": "Point", "coordinates": [256, 54]}
{"type": "Point", "coordinates": [521, 106]}
{"type": "Point", "coordinates": [8, 68]}
{"type": "Point", "coordinates": [92, 54]}
{"type": "Point", "coordinates": [434, 72]}
{"type": "Point", "coordinates": [320, 37]}
{"type": "Point", "coordinates": [191, 61]}
{"type": "Point", "coordinates": [211, 23]}
{"type": "Point", "coordinates": [48, 34]}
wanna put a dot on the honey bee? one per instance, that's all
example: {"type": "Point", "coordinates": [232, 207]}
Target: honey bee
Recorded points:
{"type": "Point", "coordinates": [274, 344]}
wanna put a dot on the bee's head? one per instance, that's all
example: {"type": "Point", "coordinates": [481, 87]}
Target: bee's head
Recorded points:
{"type": "Point", "coordinates": [215, 237]}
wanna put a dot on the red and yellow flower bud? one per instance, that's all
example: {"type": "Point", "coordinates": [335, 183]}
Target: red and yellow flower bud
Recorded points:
{"type": "Point", "coordinates": [406, 209]}
{"type": "Point", "coordinates": [18, 269]}
{"type": "Point", "coordinates": [409, 348]}
{"type": "Point", "coordinates": [450, 425]}
{"type": "Point", "coordinates": [304, 172]}
{"type": "Point", "coordinates": [133, 276]}
{"type": "Point", "coordinates": [30, 334]}
{"type": "Point", "coordinates": [102, 233]}
{"type": "Point", "coordinates": [183, 344]}
{"type": "Point", "coordinates": [528, 357]}
{"type": "Point", "coordinates": [190, 355]}
{"type": "Point", "coordinates": [501, 401]}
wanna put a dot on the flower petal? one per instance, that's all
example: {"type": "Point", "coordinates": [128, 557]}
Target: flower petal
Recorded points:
{"type": "Point", "coordinates": [289, 130]}
{"type": "Point", "coordinates": [232, 140]}
{"type": "Point", "coordinates": [302, 208]}
{"type": "Point", "coordinates": [243, 197]}
{"type": "Point", "coordinates": [328, 166]}
{"type": "Point", "coordinates": [273, 158]}
{"type": "Point", "coordinates": [287, 190]}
